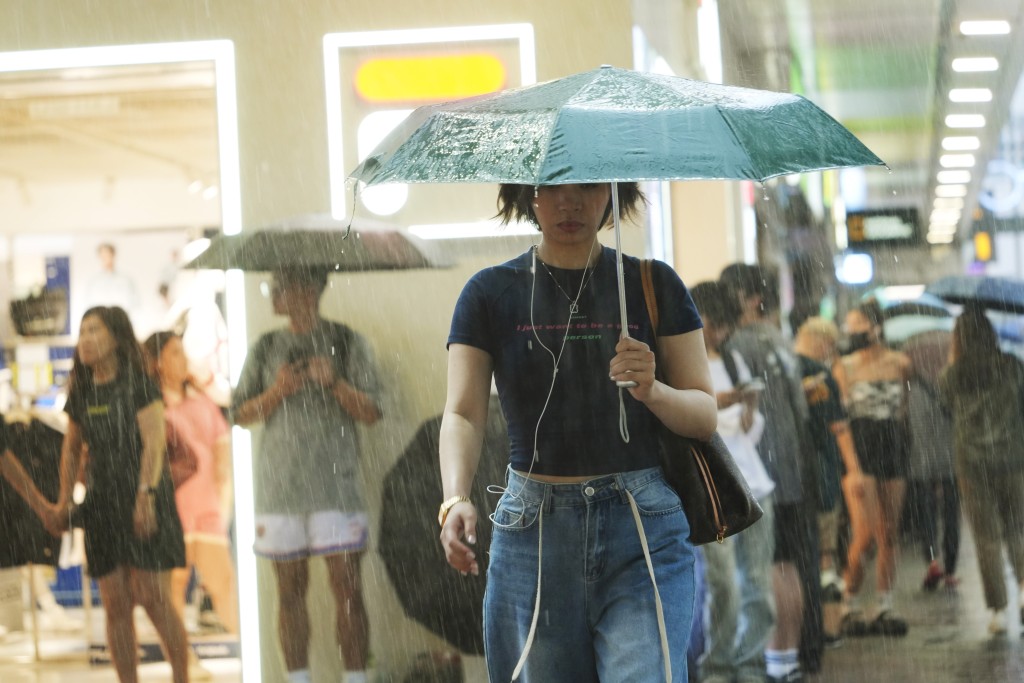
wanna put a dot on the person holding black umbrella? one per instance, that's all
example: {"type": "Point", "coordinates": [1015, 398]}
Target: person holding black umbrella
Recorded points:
{"type": "Point", "coordinates": [316, 380]}
{"type": "Point", "coordinates": [591, 573]}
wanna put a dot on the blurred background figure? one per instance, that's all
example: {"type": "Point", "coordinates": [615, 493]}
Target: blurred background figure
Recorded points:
{"type": "Point", "coordinates": [740, 613]}
{"type": "Point", "coordinates": [984, 390]}
{"type": "Point", "coordinates": [109, 287]}
{"type": "Point", "coordinates": [796, 642]}
{"type": "Point", "coordinates": [816, 347]}
{"type": "Point", "coordinates": [205, 498]}
{"type": "Point", "coordinates": [873, 381]}
{"type": "Point", "coordinates": [936, 496]}
{"type": "Point", "coordinates": [313, 380]}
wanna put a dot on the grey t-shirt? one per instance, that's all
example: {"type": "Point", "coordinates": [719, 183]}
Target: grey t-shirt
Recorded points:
{"type": "Point", "coordinates": [308, 457]}
{"type": "Point", "coordinates": [783, 403]}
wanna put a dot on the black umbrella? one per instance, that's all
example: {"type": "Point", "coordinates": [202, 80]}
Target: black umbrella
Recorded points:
{"type": "Point", "coordinates": [994, 293]}
{"type": "Point", "coordinates": [432, 593]}
{"type": "Point", "coordinates": [319, 241]}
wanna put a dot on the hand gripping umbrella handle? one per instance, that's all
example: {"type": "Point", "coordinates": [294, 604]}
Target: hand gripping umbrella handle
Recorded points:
{"type": "Point", "coordinates": [625, 384]}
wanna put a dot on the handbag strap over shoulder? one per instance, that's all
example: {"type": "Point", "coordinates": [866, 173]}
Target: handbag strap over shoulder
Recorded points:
{"type": "Point", "coordinates": [650, 296]}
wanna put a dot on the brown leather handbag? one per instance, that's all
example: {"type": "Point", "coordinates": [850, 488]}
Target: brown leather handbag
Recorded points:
{"type": "Point", "coordinates": [715, 496]}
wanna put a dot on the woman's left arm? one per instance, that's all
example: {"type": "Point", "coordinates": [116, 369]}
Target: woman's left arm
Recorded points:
{"type": "Point", "coordinates": [151, 466]}
{"type": "Point", "coordinates": [685, 401]}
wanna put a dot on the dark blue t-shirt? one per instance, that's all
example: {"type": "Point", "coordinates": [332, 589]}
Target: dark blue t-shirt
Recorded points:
{"type": "Point", "coordinates": [579, 432]}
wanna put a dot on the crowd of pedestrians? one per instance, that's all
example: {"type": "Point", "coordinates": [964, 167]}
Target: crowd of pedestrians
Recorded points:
{"type": "Point", "coordinates": [844, 428]}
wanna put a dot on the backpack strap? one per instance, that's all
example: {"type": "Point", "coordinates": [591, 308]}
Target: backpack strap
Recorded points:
{"type": "Point", "coordinates": [729, 360]}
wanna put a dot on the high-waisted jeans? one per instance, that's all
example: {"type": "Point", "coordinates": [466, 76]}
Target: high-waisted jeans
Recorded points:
{"type": "Point", "coordinates": [596, 619]}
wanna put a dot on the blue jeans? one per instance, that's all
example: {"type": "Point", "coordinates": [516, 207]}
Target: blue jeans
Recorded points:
{"type": "Point", "coordinates": [597, 619]}
{"type": "Point", "coordinates": [740, 611]}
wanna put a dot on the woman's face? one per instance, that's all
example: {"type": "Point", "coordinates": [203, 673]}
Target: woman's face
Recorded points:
{"type": "Point", "coordinates": [860, 330]}
{"type": "Point", "coordinates": [95, 343]}
{"type": "Point", "coordinates": [571, 214]}
{"type": "Point", "coordinates": [173, 365]}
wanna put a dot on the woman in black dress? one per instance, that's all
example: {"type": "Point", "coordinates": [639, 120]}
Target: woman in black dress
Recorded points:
{"type": "Point", "coordinates": [133, 537]}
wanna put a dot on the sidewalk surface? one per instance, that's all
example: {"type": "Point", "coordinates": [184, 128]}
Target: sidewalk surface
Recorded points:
{"type": "Point", "coordinates": [948, 640]}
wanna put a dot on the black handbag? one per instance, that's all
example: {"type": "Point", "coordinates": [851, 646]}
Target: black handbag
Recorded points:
{"type": "Point", "coordinates": [715, 496]}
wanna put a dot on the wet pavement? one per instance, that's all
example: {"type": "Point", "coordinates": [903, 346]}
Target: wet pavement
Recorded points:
{"type": "Point", "coordinates": [948, 639]}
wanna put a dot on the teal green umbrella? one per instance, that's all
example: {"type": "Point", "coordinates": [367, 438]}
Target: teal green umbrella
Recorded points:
{"type": "Point", "coordinates": [613, 125]}
{"type": "Point", "coordinates": [610, 125]}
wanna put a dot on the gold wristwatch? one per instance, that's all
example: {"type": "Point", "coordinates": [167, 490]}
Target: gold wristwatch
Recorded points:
{"type": "Point", "coordinates": [442, 513]}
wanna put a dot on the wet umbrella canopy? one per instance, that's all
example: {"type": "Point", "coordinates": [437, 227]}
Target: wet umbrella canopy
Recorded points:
{"type": "Point", "coordinates": [319, 241]}
{"type": "Point", "coordinates": [994, 293]}
{"type": "Point", "coordinates": [610, 125]}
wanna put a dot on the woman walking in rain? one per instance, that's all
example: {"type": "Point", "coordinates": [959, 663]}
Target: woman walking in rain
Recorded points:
{"type": "Point", "coordinates": [133, 538]}
{"type": "Point", "coordinates": [591, 574]}
{"type": "Point", "coordinates": [873, 380]}
{"type": "Point", "coordinates": [984, 390]}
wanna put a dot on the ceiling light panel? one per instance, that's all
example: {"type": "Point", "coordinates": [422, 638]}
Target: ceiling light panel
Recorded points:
{"type": "Point", "coordinates": [950, 190]}
{"type": "Point", "coordinates": [961, 143]}
{"type": "Point", "coordinates": [970, 95]}
{"type": "Point", "coordinates": [965, 121]}
{"type": "Point", "coordinates": [975, 64]}
{"type": "Point", "coordinates": [957, 160]}
{"type": "Point", "coordinates": [997, 27]}
{"type": "Point", "coordinates": [948, 203]}
{"type": "Point", "coordinates": [953, 177]}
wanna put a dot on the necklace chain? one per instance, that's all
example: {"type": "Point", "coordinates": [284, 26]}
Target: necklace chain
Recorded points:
{"type": "Point", "coordinates": [574, 306]}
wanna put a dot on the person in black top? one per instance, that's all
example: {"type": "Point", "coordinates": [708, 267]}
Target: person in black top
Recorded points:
{"type": "Point", "coordinates": [133, 536]}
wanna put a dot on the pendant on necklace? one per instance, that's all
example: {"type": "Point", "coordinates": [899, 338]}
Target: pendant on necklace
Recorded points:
{"type": "Point", "coordinates": [574, 308]}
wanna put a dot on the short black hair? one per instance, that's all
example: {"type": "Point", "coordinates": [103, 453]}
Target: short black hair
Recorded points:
{"type": "Point", "coordinates": [744, 280]}
{"type": "Point", "coordinates": [515, 202]}
{"type": "Point", "coordinates": [715, 303]}
{"type": "Point", "coordinates": [309, 275]}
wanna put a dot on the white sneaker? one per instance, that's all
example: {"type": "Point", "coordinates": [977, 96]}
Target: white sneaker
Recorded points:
{"type": "Point", "coordinates": [997, 625]}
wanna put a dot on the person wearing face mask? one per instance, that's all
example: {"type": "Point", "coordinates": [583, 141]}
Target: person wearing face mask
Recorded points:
{"type": "Point", "coordinates": [873, 380]}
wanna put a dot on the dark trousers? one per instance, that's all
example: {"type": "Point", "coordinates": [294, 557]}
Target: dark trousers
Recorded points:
{"type": "Point", "coordinates": [937, 498]}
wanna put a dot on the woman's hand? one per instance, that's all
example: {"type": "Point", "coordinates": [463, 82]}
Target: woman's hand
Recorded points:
{"type": "Point", "coordinates": [633, 362]}
{"type": "Point", "coordinates": [460, 524]}
{"type": "Point", "coordinates": [144, 518]}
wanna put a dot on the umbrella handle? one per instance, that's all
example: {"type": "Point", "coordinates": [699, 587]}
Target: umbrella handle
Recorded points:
{"type": "Point", "coordinates": [624, 384]}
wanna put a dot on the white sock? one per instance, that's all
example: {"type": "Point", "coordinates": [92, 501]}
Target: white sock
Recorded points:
{"type": "Point", "coordinates": [851, 603]}
{"type": "Point", "coordinates": [781, 662]}
{"type": "Point", "coordinates": [356, 677]}
{"type": "Point", "coordinates": [884, 602]}
{"type": "Point", "coordinates": [299, 676]}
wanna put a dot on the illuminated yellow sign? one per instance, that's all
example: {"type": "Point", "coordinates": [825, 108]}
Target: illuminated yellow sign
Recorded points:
{"type": "Point", "coordinates": [982, 246]}
{"type": "Point", "coordinates": [429, 78]}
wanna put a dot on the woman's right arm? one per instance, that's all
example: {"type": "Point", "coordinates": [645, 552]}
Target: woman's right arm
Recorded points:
{"type": "Point", "coordinates": [21, 481]}
{"type": "Point", "coordinates": [461, 440]}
